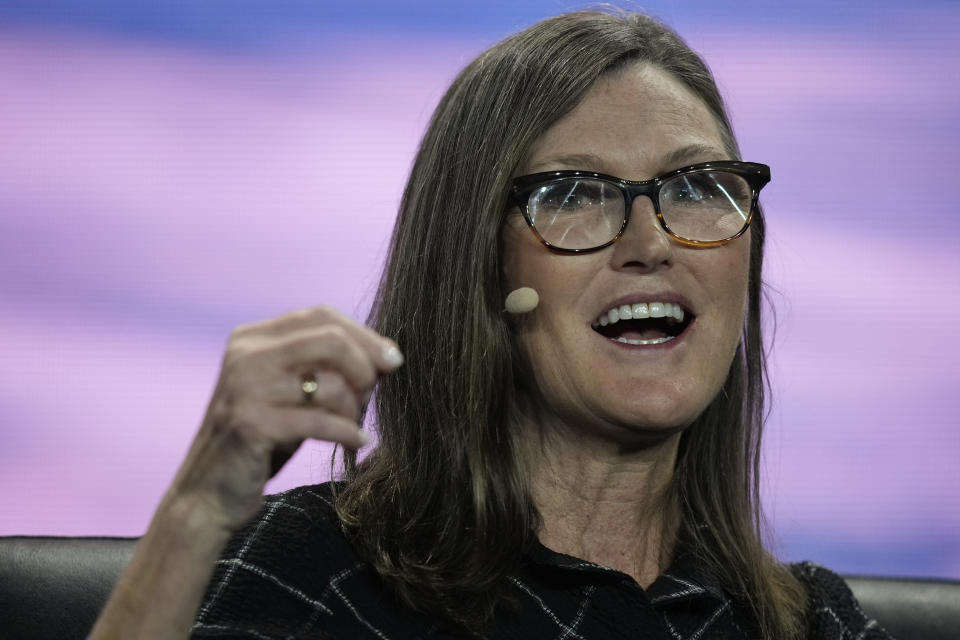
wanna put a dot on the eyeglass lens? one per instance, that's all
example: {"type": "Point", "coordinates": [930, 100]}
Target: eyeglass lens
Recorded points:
{"type": "Point", "coordinates": [582, 213]}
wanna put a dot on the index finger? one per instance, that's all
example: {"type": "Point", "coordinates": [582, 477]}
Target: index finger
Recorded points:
{"type": "Point", "coordinates": [384, 352]}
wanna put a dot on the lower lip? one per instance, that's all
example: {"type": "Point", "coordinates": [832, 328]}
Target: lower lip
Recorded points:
{"type": "Point", "coordinates": [658, 346]}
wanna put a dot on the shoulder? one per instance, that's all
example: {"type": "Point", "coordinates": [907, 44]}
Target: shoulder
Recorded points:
{"type": "Point", "coordinates": [832, 610]}
{"type": "Point", "coordinates": [279, 565]}
{"type": "Point", "coordinates": [293, 522]}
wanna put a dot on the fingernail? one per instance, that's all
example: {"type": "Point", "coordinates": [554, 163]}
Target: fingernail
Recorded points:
{"type": "Point", "coordinates": [392, 356]}
{"type": "Point", "coordinates": [364, 438]}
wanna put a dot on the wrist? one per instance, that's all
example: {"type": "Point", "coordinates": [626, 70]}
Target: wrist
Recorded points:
{"type": "Point", "coordinates": [191, 519]}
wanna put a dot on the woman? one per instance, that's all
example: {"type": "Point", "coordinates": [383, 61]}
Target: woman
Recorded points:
{"type": "Point", "coordinates": [582, 466]}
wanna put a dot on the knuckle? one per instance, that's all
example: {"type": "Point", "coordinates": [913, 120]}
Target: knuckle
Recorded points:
{"type": "Point", "coordinates": [239, 332]}
{"type": "Point", "coordinates": [240, 347]}
{"type": "Point", "coordinates": [299, 315]}
{"type": "Point", "coordinates": [325, 313]}
{"type": "Point", "coordinates": [336, 341]}
{"type": "Point", "coordinates": [337, 333]}
{"type": "Point", "coordinates": [247, 330]}
{"type": "Point", "coordinates": [321, 315]}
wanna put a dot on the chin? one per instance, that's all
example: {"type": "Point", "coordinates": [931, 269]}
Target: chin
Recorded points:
{"type": "Point", "coordinates": [667, 406]}
{"type": "Point", "coordinates": [659, 423]}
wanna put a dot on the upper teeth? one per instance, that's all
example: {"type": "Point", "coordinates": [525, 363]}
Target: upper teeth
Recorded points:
{"type": "Point", "coordinates": [639, 311]}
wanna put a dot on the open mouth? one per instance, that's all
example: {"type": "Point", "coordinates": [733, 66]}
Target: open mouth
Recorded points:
{"type": "Point", "coordinates": [644, 323]}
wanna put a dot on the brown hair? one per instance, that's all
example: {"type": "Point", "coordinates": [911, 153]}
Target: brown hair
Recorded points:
{"type": "Point", "coordinates": [441, 508]}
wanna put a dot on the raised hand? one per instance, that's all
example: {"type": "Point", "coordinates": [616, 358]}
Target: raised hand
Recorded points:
{"type": "Point", "coordinates": [303, 375]}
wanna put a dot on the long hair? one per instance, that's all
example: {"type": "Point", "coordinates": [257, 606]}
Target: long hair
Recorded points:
{"type": "Point", "coordinates": [442, 508]}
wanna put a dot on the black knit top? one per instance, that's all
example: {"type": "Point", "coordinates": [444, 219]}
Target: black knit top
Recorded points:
{"type": "Point", "coordinates": [292, 574]}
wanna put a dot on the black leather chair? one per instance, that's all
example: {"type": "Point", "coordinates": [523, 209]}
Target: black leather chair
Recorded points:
{"type": "Point", "coordinates": [54, 588]}
{"type": "Point", "coordinates": [911, 608]}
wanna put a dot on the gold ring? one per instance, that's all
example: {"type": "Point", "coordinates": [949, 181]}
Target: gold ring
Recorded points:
{"type": "Point", "coordinates": [308, 385]}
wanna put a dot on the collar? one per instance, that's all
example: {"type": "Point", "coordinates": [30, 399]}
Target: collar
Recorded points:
{"type": "Point", "coordinates": [687, 578]}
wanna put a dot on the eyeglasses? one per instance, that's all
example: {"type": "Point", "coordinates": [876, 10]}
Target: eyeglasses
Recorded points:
{"type": "Point", "coordinates": [703, 205]}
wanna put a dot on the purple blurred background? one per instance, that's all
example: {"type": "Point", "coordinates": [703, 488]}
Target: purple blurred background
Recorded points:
{"type": "Point", "coordinates": [171, 170]}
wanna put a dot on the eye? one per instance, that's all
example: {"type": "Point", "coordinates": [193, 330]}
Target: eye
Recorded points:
{"type": "Point", "coordinates": [706, 188]}
{"type": "Point", "coordinates": [691, 189]}
{"type": "Point", "coordinates": [573, 195]}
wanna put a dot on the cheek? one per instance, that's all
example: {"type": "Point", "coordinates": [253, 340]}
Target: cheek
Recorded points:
{"type": "Point", "coordinates": [546, 338]}
{"type": "Point", "coordinates": [558, 279]}
{"type": "Point", "coordinates": [741, 280]}
{"type": "Point", "coordinates": [730, 285]}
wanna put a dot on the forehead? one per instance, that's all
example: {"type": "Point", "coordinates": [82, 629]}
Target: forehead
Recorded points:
{"type": "Point", "coordinates": [632, 123]}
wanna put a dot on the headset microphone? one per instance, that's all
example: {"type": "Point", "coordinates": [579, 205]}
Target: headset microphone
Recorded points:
{"type": "Point", "coordinates": [522, 300]}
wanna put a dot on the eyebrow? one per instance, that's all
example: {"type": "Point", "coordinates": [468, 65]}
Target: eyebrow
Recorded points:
{"type": "Point", "coordinates": [685, 155]}
{"type": "Point", "coordinates": [587, 161]}
{"type": "Point", "coordinates": [590, 162]}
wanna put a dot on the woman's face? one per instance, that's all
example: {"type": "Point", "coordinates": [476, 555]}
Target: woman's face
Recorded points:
{"type": "Point", "coordinates": [636, 124]}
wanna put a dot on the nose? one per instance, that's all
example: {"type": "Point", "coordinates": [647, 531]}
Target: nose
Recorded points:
{"type": "Point", "coordinates": [644, 246]}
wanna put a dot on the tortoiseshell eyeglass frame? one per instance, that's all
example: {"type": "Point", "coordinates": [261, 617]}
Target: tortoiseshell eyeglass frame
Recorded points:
{"type": "Point", "coordinates": [756, 175]}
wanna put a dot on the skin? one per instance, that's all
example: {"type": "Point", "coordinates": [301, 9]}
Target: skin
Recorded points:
{"type": "Point", "coordinates": [602, 422]}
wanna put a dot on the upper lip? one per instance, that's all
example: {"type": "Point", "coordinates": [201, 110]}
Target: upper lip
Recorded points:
{"type": "Point", "coordinates": [635, 298]}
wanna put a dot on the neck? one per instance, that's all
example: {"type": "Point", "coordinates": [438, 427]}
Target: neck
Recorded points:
{"type": "Point", "coordinates": [603, 502]}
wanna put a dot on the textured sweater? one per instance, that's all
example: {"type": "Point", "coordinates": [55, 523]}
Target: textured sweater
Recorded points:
{"type": "Point", "coordinates": [291, 573]}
